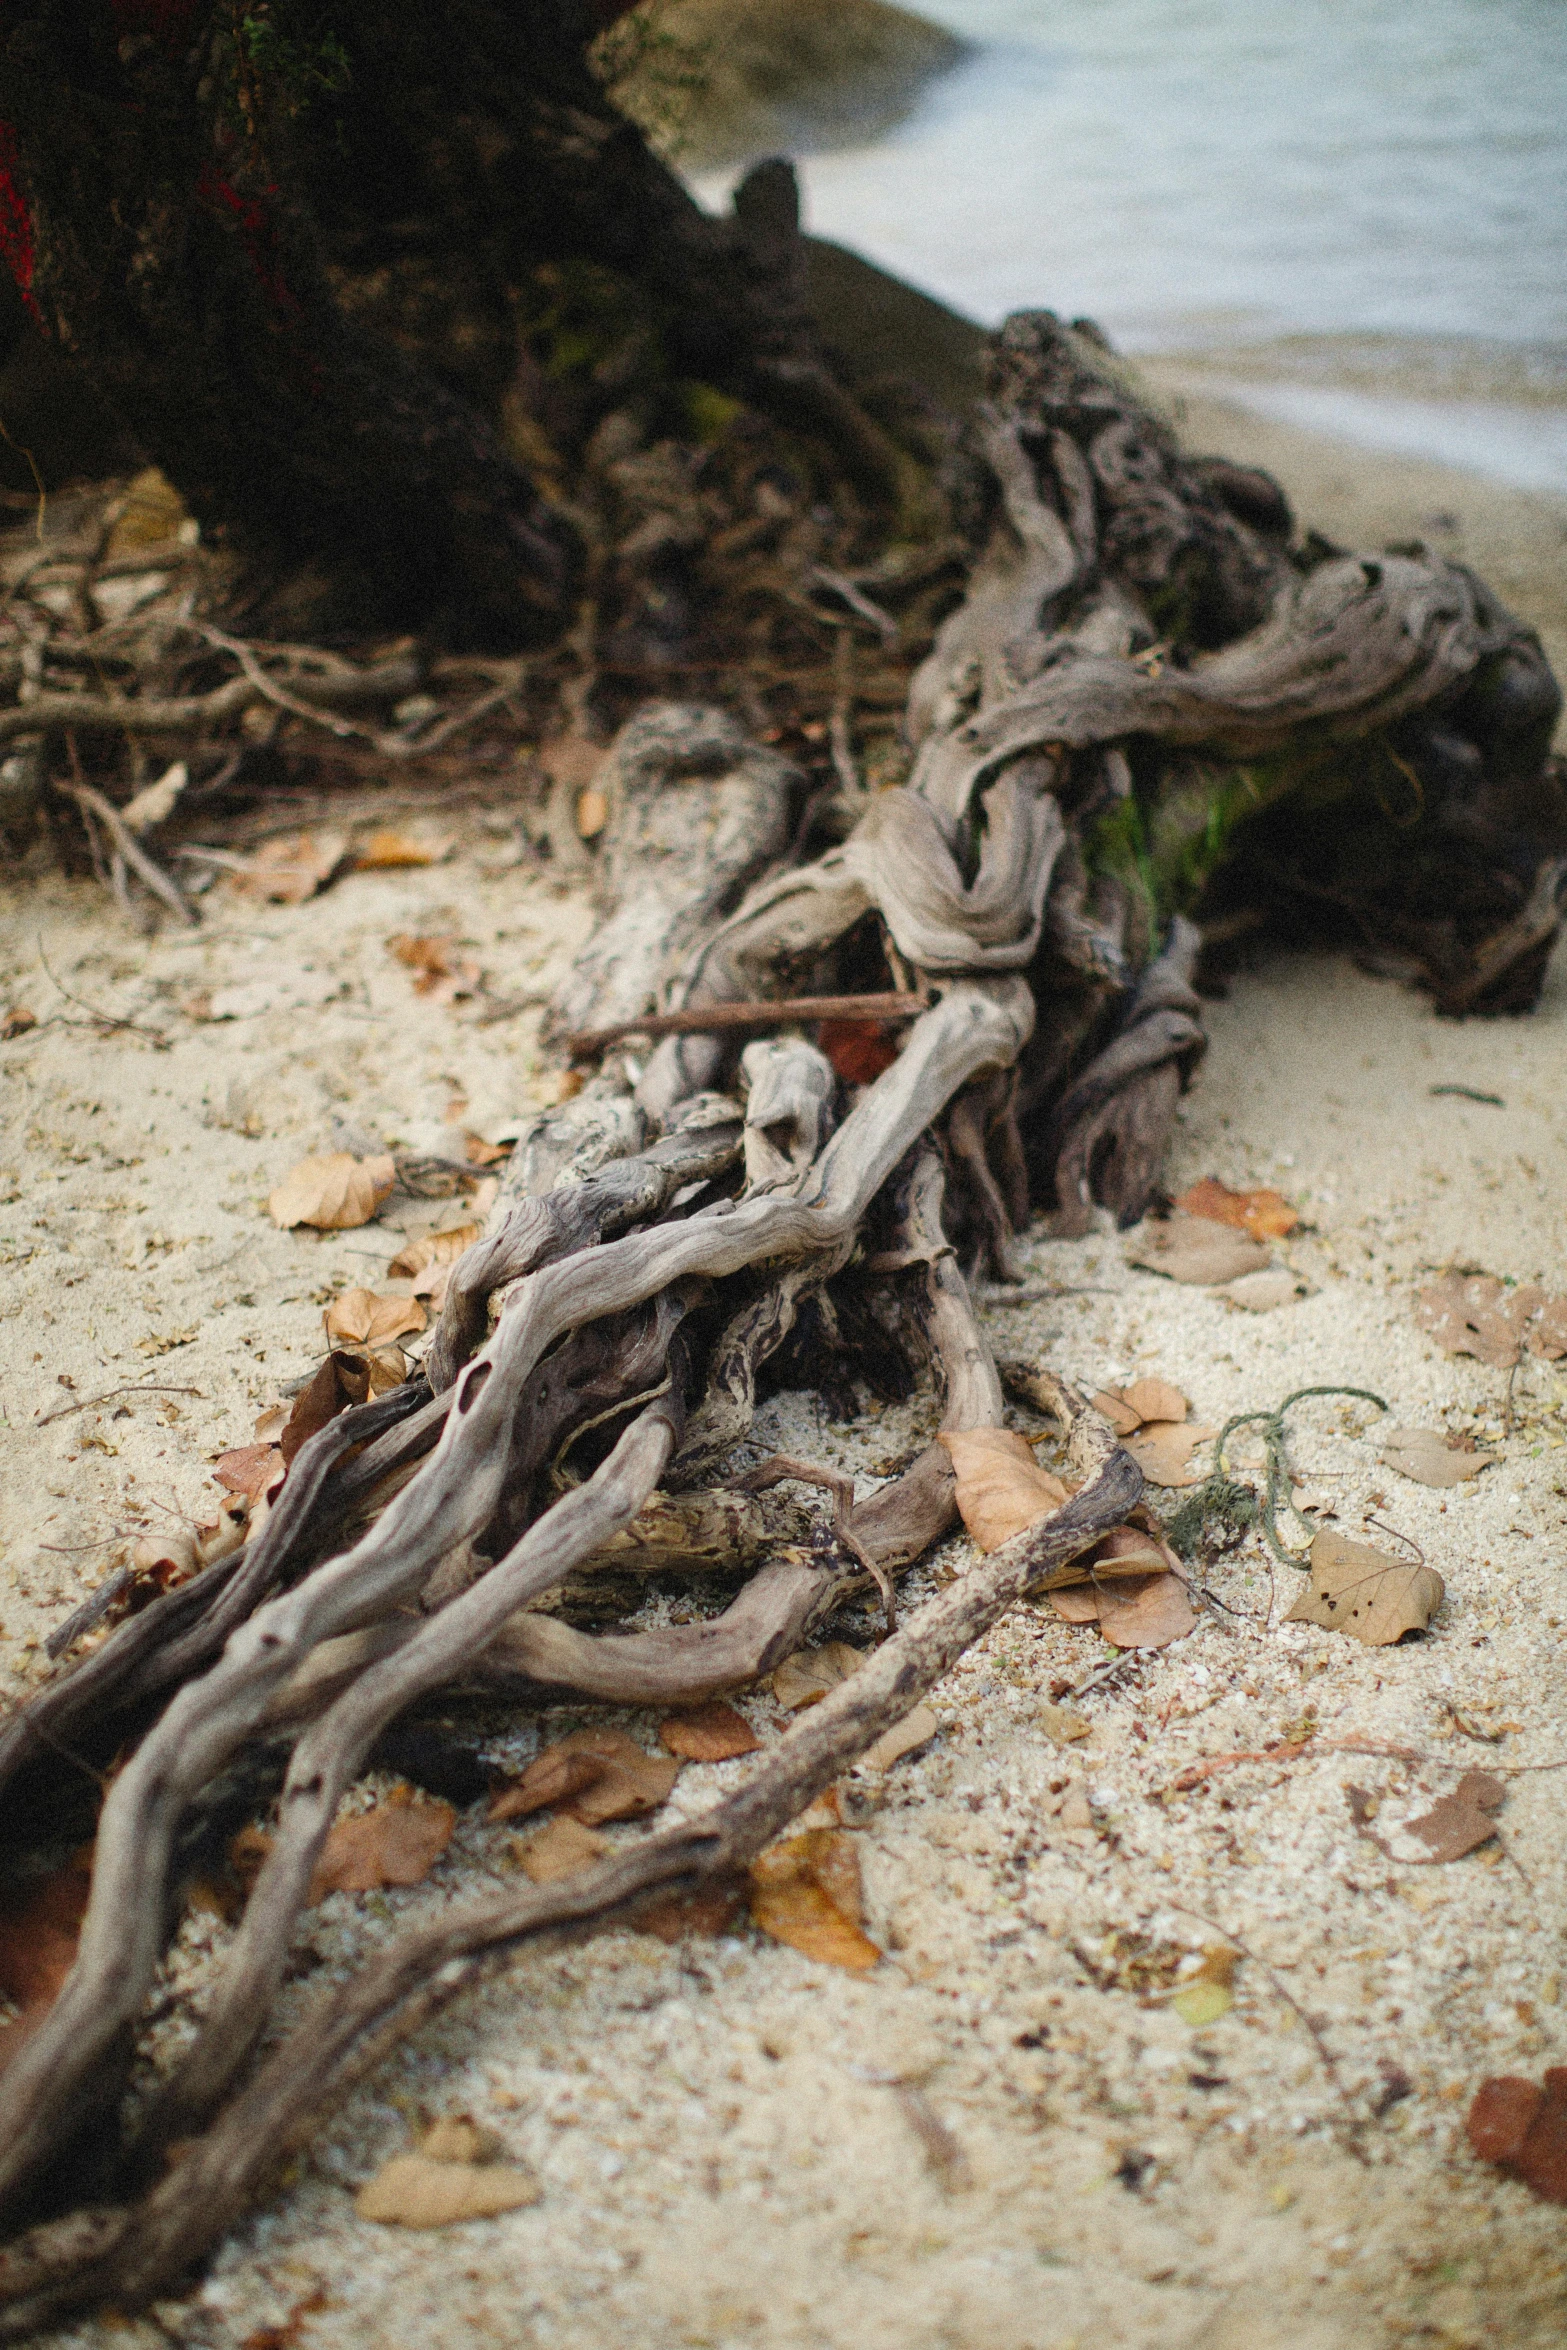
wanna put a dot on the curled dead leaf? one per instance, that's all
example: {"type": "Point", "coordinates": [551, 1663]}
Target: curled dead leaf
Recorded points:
{"type": "Point", "coordinates": [1266, 1215]}
{"type": "Point", "coordinates": [251, 1469]}
{"type": "Point", "coordinates": [709, 1733]}
{"type": "Point", "coordinates": [345, 1377]}
{"type": "Point", "coordinates": [1366, 1592]}
{"type": "Point", "coordinates": [1522, 2129]}
{"type": "Point", "coordinates": [1129, 1408]}
{"type": "Point", "coordinates": [806, 1892]}
{"type": "Point", "coordinates": [16, 1022]}
{"type": "Point", "coordinates": [595, 1775]}
{"type": "Point", "coordinates": [359, 1318]}
{"type": "Point", "coordinates": [1193, 1249]}
{"type": "Point", "coordinates": [334, 1193]}
{"type": "Point", "coordinates": [425, 1261]}
{"type": "Point", "coordinates": [811, 1672]}
{"type": "Point", "coordinates": [1431, 1458]}
{"type": "Point", "coordinates": [1001, 1489]}
{"type": "Point", "coordinates": [291, 868]}
{"type": "Point", "coordinates": [1133, 1606]}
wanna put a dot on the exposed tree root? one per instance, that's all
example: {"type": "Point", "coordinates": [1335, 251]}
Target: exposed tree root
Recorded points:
{"type": "Point", "coordinates": [1142, 678]}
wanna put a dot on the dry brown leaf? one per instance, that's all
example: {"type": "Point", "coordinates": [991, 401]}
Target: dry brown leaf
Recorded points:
{"type": "Point", "coordinates": [811, 1672]}
{"type": "Point", "coordinates": [1076, 1603]}
{"type": "Point", "coordinates": [1365, 1592]}
{"type": "Point", "coordinates": [359, 1318]}
{"type": "Point", "coordinates": [806, 1892]}
{"type": "Point", "coordinates": [596, 1775]}
{"type": "Point", "coordinates": [1428, 1456]}
{"type": "Point", "coordinates": [389, 849]}
{"type": "Point", "coordinates": [1163, 1451]}
{"type": "Point", "coordinates": [1475, 1314]}
{"type": "Point", "coordinates": [592, 812]}
{"type": "Point", "coordinates": [1461, 1822]}
{"type": "Point", "coordinates": [916, 1729]}
{"type": "Point", "coordinates": [1192, 1249]}
{"type": "Point", "coordinates": [1061, 1726]}
{"type": "Point", "coordinates": [1146, 1614]}
{"type": "Point", "coordinates": [441, 970]}
{"type": "Point", "coordinates": [398, 1842]}
{"type": "Point", "coordinates": [434, 1249]}
{"type": "Point", "coordinates": [344, 1378]}
{"type": "Point", "coordinates": [150, 515]}
{"type": "Point", "coordinates": [561, 1849]}
{"type": "Point", "coordinates": [16, 1022]}
{"type": "Point", "coordinates": [1266, 1215]}
{"type": "Point", "coordinates": [334, 1194]}
{"type": "Point", "coordinates": [1522, 2129]}
{"type": "Point", "coordinates": [422, 2191]}
{"type": "Point", "coordinates": [250, 1469]}
{"type": "Point", "coordinates": [708, 1910]}
{"type": "Point", "coordinates": [709, 1733]}
{"type": "Point", "coordinates": [38, 1939]}
{"type": "Point", "coordinates": [1001, 1488]}
{"type": "Point", "coordinates": [1111, 1405]}
{"type": "Point", "coordinates": [291, 868]}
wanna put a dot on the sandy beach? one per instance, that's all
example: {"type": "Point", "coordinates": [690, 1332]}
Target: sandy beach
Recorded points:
{"type": "Point", "coordinates": [994, 2140]}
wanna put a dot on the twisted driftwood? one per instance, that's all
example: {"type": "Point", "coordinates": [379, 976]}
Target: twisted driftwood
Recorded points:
{"type": "Point", "coordinates": [710, 1208]}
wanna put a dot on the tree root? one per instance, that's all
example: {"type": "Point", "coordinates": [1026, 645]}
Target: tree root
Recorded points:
{"type": "Point", "coordinates": [130, 2254]}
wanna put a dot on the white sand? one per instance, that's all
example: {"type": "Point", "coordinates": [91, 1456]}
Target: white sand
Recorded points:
{"type": "Point", "coordinates": [725, 2156]}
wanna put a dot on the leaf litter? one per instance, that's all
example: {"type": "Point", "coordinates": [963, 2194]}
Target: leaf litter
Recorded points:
{"type": "Point", "coordinates": [1475, 1314]}
{"type": "Point", "coordinates": [1431, 1457]}
{"type": "Point", "coordinates": [1520, 2126]}
{"type": "Point", "coordinates": [1368, 1593]}
{"type": "Point", "coordinates": [593, 1776]}
{"type": "Point", "coordinates": [333, 1193]}
{"type": "Point", "coordinates": [807, 1892]}
{"type": "Point", "coordinates": [455, 2173]}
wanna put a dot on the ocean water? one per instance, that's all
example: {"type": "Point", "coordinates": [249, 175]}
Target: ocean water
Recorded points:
{"type": "Point", "coordinates": [1354, 212]}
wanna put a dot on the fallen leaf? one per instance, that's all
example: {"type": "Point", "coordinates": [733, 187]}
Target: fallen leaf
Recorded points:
{"type": "Point", "coordinates": [1461, 1822]}
{"type": "Point", "coordinates": [288, 870]}
{"type": "Point", "coordinates": [1163, 1451]}
{"type": "Point", "coordinates": [1475, 1314]}
{"type": "Point", "coordinates": [1430, 1458]}
{"type": "Point", "coordinates": [811, 1672]}
{"type": "Point", "coordinates": [709, 1733]}
{"type": "Point", "coordinates": [1264, 1292]}
{"type": "Point", "coordinates": [1061, 1726]}
{"type": "Point", "coordinates": [1077, 1604]}
{"type": "Point", "coordinates": [709, 1910]}
{"type": "Point", "coordinates": [150, 514]}
{"type": "Point", "coordinates": [1192, 1249]}
{"type": "Point", "coordinates": [1000, 1487]}
{"type": "Point", "coordinates": [334, 1193]}
{"type": "Point", "coordinates": [1266, 1215]}
{"type": "Point", "coordinates": [592, 812]}
{"type": "Point", "coordinates": [344, 1378]}
{"type": "Point", "coordinates": [915, 1730]}
{"type": "Point", "coordinates": [561, 1849]}
{"type": "Point", "coordinates": [164, 1342]}
{"type": "Point", "coordinates": [428, 1262]}
{"type": "Point", "coordinates": [859, 1050]}
{"type": "Point", "coordinates": [480, 1153]}
{"type": "Point", "coordinates": [457, 2137]}
{"type": "Point", "coordinates": [358, 1318]}
{"type": "Point", "coordinates": [38, 1939]}
{"type": "Point", "coordinates": [1365, 1592]}
{"type": "Point", "coordinates": [1138, 1614]}
{"type": "Point", "coordinates": [16, 1022]}
{"type": "Point", "coordinates": [1200, 2004]}
{"type": "Point", "coordinates": [422, 2191]}
{"type": "Point", "coordinates": [441, 971]}
{"type": "Point", "coordinates": [1112, 1405]}
{"type": "Point", "coordinates": [398, 1842]}
{"type": "Point", "coordinates": [595, 1775]}
{"type": "Point", "coordinates": [249, 1469]}
{"type": "Point", "coordinates": [1522, 2129]}
{"type": "Point", "coordinates": [388, 849]}
{"type": "Point", "coordinates": [807, 1892]}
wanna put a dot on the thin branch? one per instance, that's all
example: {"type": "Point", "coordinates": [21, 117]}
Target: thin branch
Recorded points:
{"type": "Point", "coordinates": [749, 1018]}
